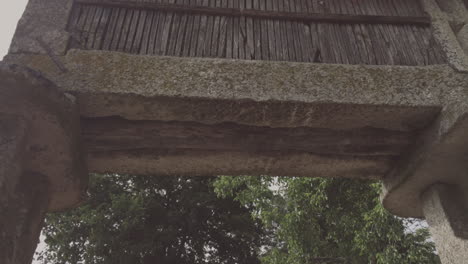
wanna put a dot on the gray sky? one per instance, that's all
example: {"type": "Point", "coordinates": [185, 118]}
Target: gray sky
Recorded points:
{"type": "Point", "coordinates": [10, 13]}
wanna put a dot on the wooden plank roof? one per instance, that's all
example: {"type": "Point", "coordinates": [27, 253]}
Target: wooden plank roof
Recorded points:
{"type": "Point", "coordinates": [351, 7]}
{"type": "Point", "coordinates": [384, 32]}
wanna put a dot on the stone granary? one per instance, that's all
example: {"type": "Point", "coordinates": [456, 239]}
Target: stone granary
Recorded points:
{"type": "Point", "coordinates": [373, 89]}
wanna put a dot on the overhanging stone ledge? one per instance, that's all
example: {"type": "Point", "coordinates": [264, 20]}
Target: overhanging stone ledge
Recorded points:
{"type": "Point", "coordinates": [276, 94]}
{"type": "Point", "coordinates": [251, 93]}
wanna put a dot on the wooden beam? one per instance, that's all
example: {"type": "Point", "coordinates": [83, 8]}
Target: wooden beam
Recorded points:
{"type": "Point", "coordinates": [303, 17]}
{"type": "Point", "coordinates": [116, 134]}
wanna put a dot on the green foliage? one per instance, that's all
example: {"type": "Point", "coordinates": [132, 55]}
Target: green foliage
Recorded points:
{"type": "Point", "coordinates": [153, 220]}
{"type": "Point", "coordinates": [233, 220]}
{"type": "Point", "coordinates": [327, 221]}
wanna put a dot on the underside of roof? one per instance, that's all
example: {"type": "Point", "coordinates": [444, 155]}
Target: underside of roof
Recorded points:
{"type": "Point", "coordinates": [373, 32]}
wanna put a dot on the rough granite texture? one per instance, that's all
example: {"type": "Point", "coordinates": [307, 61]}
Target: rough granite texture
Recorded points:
{"type": "Point", "coordinates": [267, 94]}
{"type": "Point", "coordinates": [24, 195]}
{"type": "Point", "coordinates": [442, 20]}
{"type": "Point", "coordinates": [52, 140]}
{"type": "Point", "coordinates": [201, 163]}
{"type": "Point", "coordinates": [113, 72]}
{"type": "Point", "coordinates": [432, 99]}
{"type": "Point", "coordinates": [455, 10]}
{"type": "Point", "coordinates": [439, 154]}
{"type": "Point", "coordinates": [446, 211]}
{"type": "Point", "coordinates": [462, 37]}
{"type": "Point", "coordinates": [278, 94]}
{"type": "Point", "coordinates": [275, 94]}
{"type": "Point", "coordinates": [46, 20]}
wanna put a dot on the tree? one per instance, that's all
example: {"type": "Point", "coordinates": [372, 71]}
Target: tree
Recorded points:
{"type": "Point", "coordinates": [153, 220]}
{"type": "Point", "coordinates": [228, 219]}
{"type": "Point", "coordinates": [328, 221]}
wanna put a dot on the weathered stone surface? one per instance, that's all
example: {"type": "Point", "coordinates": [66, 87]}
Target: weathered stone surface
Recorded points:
{"type": "Point", "coordinates": [112, 133]}
{"type": "Point", "coordinates": [269, 94]}
{"type": "Point", "coordinates": [277, 94]}
{"type": "Point", "coordinates": [446, 210]}
{"type": "Point", "coordinates": [444, 14]}
{"type": "Point", "coordinates": [46, 20]}
{"type": "Point", "coordinates": [203, 162]}
{"type": "Point", "coordinates": [52, 137]}
{"type": "Point", "coordinates": [439, 156]}
{"type": "Point", "coordinates": [189, 148]}
{"type": "Point", "coordinates": [24, 196]}
{"type": "Point", "coordinates": [224, 100]}
{"type": "Point", "coordinates": [252, 93]}
{"type": "Point", "coordinates": [462, 37]}
{"type": "Point", "coordinates": [12, 143]}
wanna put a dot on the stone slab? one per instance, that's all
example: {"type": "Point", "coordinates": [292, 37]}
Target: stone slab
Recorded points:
{"type": "Point", "coordinates": [247, 93]}
{"type": "Point", "coordinates": [276, 94]}
{"type": "Point", "coordinates": [189, 148]}
{"type": "Point", "coordinates": [263, 94]}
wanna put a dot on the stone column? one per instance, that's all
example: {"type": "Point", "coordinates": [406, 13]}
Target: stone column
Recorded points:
{"type": "Point", "coordinates": [23, 195]}
{"type": "Point", "coordinates": [446, 210]}
{"type": "Point", "coordinates": [41, 165]}
{"type": "Point", "coordinates": [431, 180]}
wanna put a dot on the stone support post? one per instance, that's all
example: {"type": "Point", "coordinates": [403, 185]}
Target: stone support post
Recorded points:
{"type": "Point", "coordinates": [23, 199]}
{"type": "Point", "coordinates": [41, 166]}
{"type": "Point", "coordinates": [431, 180]}
{"type": "Point", "coordinates": [446, 211]}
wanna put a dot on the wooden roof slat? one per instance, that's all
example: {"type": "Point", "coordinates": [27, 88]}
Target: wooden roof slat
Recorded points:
{"type": "Point", "coordinates": [264, 14]}
{"type": "Point", "coordinates": [161, 32]}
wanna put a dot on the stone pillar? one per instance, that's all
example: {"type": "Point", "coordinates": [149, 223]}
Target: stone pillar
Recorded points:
{"type": "Point", "coordinates": [41, 165]}
{"type": "Point", "coordinates": [446, 211]}
{"type": "Point", "coordinates": [23, 196]}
